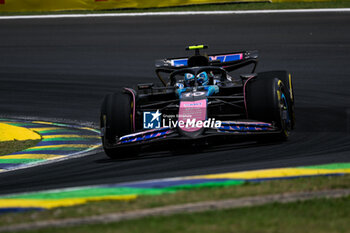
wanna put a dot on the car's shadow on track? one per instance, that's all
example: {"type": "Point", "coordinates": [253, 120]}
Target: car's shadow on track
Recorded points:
{"type": "Point", "coordinates": [174, 150]}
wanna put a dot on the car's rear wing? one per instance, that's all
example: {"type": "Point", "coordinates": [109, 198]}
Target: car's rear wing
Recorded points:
{"type": "Point", "coordinates": [220, 60]}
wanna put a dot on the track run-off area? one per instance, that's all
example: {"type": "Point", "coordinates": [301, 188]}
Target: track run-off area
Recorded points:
{"type": "Point", "coordinates": [56, 142]}
{"type": "Point", "coordinates": [127, 191]}
{"type": "Point", "coordinates": [61, 68]}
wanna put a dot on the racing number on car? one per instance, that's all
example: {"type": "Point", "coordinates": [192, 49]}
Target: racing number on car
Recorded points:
{"type": "Point", "coordinates": [194, 94]}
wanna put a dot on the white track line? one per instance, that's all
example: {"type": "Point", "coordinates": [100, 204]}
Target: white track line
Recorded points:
{"type": "Point", "coordinates": [326, 10]}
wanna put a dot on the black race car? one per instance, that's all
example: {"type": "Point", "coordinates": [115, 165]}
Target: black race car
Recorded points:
{"type": "Point", "coordinates": [198, 99]}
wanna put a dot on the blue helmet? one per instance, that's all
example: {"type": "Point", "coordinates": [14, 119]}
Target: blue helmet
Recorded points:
{"type": "Point", "coordinates": [202, 79]}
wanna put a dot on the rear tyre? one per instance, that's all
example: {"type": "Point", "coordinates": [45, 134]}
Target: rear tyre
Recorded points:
{"type": "Point", "coordinates": [267, 101]}
{"type": "Point", "coordinates": [116, 120]}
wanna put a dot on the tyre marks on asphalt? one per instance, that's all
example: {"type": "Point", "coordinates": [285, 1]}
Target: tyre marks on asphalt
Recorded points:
{"type": "Point", "coordinates": [58, 141]}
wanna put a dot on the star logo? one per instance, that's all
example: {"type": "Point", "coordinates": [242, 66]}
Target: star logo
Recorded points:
{"type": "Point", "coordinates": [155, 115]}
{"type": "Point", "coordinates": [151, 120]}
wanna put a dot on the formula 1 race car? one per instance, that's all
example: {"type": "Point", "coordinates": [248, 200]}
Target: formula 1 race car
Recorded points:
{"type": "Point", "coordinates": [198, 99]}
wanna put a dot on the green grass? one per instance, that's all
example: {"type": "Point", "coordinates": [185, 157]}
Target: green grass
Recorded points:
{"type": "Point", "coordinates": [210, 7]}
{"type": "Point", "coordinates": [181, 197]}
{"type": "Point", "coordinates": [314, 216]}
{"type": "Point", "coordinates": [14, 146]}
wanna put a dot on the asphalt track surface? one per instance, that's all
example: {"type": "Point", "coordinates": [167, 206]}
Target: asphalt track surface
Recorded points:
{"type": "Point", "coordinates": [60, 69]}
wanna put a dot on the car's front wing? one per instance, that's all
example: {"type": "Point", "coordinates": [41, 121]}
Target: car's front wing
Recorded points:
{"type": "Point", "coordinates": [227, 128]}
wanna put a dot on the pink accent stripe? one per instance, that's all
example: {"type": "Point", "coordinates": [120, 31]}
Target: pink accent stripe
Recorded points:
{"type": "Point", "coordinates": [244, 95]}
{"type": "Point", "coordinates": [134, 107]}
{"type": "Point", "coordinates": [246, 122]}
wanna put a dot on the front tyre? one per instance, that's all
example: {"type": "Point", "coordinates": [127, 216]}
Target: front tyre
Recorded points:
{"type": "Point", "coordinates": [116, 120]}
{"type": "Point", "coordinates": [287, 81]}
{"type": "Point", "coordinates": [267, 101]}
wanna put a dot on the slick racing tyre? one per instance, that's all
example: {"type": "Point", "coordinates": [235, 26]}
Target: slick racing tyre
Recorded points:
{"type": "Point", "coordinates": [267, 101]}
{"type": "Point", "coordinates": [116, 121]}
{"type": "Point", "coordinates": [287, 81]}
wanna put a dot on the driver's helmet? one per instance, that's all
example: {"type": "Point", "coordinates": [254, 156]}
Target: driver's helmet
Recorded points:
{"type": "Point", "coordinates": [202, 79]}
{"type": "Point", "coordinates": [189, 80]}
